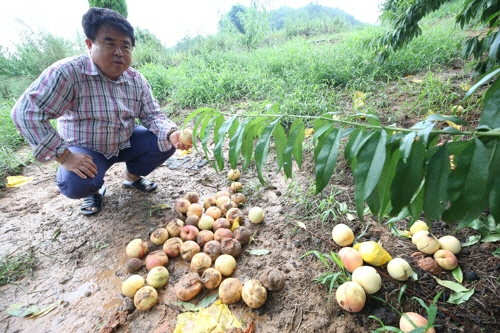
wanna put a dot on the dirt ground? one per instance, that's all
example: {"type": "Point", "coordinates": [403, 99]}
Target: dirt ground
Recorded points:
{"type": "Point", "coordinates": [80, 260]}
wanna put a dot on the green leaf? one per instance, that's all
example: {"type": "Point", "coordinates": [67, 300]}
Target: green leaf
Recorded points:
{"type": "Point", "coordinates": [326, 159]}
{"type": "Point", "coordinates": [262, 148]}
{"type": "Point", "coordinates": [371, 159]}
{"type": "Point", "coordinates": [248, 137]}
{"type": "Point", "coordinates": [21, 310]}
{"type": "Point", "coordinates": [490, 117]}
{"type": "Point", "coordinates": [460, 297]}
{"type": "Point", "coordinates": [219, 141]}
{"type": "Point", "coordinates": [259, 252]}
{"type": "Point", "coordinates": [491, 238]}
{"type": "Point", "coordinates": [290, 146]}
{"type": "Point", "coordinates": [457, 274]}
{"type": "Point", "coordinates": [235, 143]}
{"type": "Point", "coordinates": [196, 112]}
{"type": "Point", "coordinates": [496, 253]}
{"type": "Point", "coordinates": [187, 306]}
{"type": "Point", "coordinates": [417, 202]}
{"type": "Point", "coordinates": [208, 300]}
{"type": "Point", "coordinates": [204, 142]}
{"type": "Point", "coordinates": [436, 179]}
{"type": "Point", "coordinates": [204, 118]}
{"type": "Point", "coordinates": [408, 178]}
{"type": "Point", "coordinates": [471, 240]}
{"type": "Point", "coordinates": [279, 137]}
{"type": "Point", "coordinates": [481, 82]}
{"type": "Point", "coordinates": [456, 287]}
{"type": "Point", "coordinates": [453, 119]}
{"type": "Point", "coordinates": [406, 144]}
{"type": "Point", "coordinates": [467, 183]}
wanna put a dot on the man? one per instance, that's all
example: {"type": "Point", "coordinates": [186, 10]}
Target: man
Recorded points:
{"type": "Point", "coordinates": [97, 98]}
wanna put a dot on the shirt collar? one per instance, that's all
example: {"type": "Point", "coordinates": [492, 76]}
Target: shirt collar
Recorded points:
{"type": "Point", "coordinates": [90, 68]}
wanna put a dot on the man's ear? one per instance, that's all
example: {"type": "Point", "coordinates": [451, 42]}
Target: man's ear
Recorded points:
{"type": "Point", "coordinates": [89, 43]}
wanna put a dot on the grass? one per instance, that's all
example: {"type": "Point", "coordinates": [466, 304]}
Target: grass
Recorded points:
{"type": "Point", "coordinates": [14, 267]}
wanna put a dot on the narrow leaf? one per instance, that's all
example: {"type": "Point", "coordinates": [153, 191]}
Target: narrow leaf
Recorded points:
{"type": "Point", "coordinates": [406, 144]}
{"type": "Point", "coordinates": [436, 179]}
{"type": "Point", "coordinates": [460, 297]}
{"type": "Point", "coordinates": [456, 287]}
{"type": "Point", "coordinates": [235, 143]}
{"type": "Point", "coordinates": [481, 82]}
{"type": "Point", "coordinates": [457, 274]}
{"type": "Point", "coordinates": [490, 117]}
{"type": "Point", "coordinates": [196, 112]}
{"type": "Point", "coordinates": [262, 148]}
{"type": "Point", "coordinates": [327, 159]}
{"type": "Point", "coordinates": [371, 159]}
{"type": "Point", "coordinates": [219, 141]}
{"type": "Point", "coordinates": [471, 240]}
{"type": "Point", "coordinates": [279, 138]}
{"type": "Point", "coordinates": [291, 142]}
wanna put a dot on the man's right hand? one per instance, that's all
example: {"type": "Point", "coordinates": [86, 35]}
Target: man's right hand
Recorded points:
{"type": "Point", "coordinates": [81, 164]}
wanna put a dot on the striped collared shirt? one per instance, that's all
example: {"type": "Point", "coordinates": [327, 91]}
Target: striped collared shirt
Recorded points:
{"type": "Point", "coordinates": [92, 111]}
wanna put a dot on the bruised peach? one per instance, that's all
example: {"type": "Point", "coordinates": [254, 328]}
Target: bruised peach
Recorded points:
{"type": "Point", "coordinates": [192, 197]}
{"type": "Point", "coordinates": [212, 248]}
{"type": "Point", "coordinates": [222, 234]}
{"type": "Point", "coordinates": [200, 262]}
{"type": "Point", "coordinates": [351, 296]}
{"type": "Point", "coordinates": [230, 291]}
{"type": "Point", "coordinates": [181, 205]}
{"type": "Point", "coordinates": [189, 249]}
{"type": "Point", "coordinates": [211, 278]}
{"type": "Point", "coordinates": [159, 236]}
{"type": "Point", "coordinates": [254, 294]}
{"type": "Point", "coordinates": [174, 227]}
{"type": "Point", "coordinates": [145, 298]}
{"type": "Point", "coordinates": [189, 232]}
{"type": "Point", "coordinates": [188, 287]}
{"type": "Point", "coordinates": [221, 223]}
{"type": "Point", "coordinates": [230, 246]}
{"type": "Point", "coordinates": [204, 236]}
{"type": "Point", "coordinates": [172, 247]}
{"type": "Point", "coordinates": [242, 235]}
{"type": "Point", "coordinates": [136, 248]}
{"type": "Point", "coordinates": [156, 258]}
{"type": "Point", "coordinates": [209, 202]}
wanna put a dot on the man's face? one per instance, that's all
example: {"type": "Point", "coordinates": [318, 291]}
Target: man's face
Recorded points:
{"type": "Point", "coordinates": [111, 51]}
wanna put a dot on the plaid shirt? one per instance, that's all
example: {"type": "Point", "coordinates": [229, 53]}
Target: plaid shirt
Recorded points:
{"type": "Point", "coordinates": [92, 111]}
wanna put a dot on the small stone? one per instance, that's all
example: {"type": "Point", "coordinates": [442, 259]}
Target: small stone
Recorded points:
{"type": "Point", "coordinates": [471, 276]}
{"type": "Point", "coordinates": [87, 293]}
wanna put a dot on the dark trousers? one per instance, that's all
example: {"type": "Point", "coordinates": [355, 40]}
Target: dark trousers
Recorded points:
{"type": "Point", "coordinates": [141, 159]}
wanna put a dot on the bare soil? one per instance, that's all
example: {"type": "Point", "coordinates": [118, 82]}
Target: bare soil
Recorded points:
{"type": "Point", "coordinates": [80, 260]}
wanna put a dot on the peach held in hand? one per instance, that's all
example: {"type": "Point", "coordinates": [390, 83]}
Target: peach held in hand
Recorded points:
{"type": "Point", "coordinates": [350, 296]}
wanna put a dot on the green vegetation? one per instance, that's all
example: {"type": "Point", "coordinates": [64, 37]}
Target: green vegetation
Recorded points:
{"type": "Point", "coordinates": [14, 267]}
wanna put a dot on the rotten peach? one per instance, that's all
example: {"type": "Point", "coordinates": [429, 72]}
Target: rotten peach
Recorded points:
{"type": "Point", "coordinates": [254, 294]}
{"type": "Point", "coordinates": [189, 249]}
{"type": "Point", "coordinates": [230, 291]}
{"type": "Point", "coordinates": [174, 227]}
{"type": "Point", "coordinates": [230, 246]}
{"type": "Point", "coordinates": [273, 279]}
{"type": "Point", "coordinates": [221, 234]}
{"type": "Point", "coordinates": [172, 247]}
{"type": "Point", "coordinates": [189, 232]}
{"type": "Point", "coordinates": [159, 236]}
{"type": "Point", "coordinates": [193, 220]}
{"type": "Point", "coordinates": [145, 298]}
{"type": "Point", "coordinates": [212, 248]}
{"type": "Point", "coordinates": [188, 287]}
{"type": "Point", "coordinates": [221, 223]}
{"type": "Point", "coordinates": [200, 262]}
{"type": "Point", "coordinates": [211, 278]}
{"type": "Point", "coordinates": [192, 197]}
{"type": "Point", "coordinates": [204, 236]}
{"type": "Point", "coordinates": [242, 235]}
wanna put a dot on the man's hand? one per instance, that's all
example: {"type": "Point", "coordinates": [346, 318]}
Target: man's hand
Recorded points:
{"type": "Point", "coordinates": [174, 140]}
{"type": "Point", "coordinates": [81, 164]}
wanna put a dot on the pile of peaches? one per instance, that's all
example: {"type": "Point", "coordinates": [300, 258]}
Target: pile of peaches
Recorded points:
{"type": "Point", "coordinates": [208, 234]}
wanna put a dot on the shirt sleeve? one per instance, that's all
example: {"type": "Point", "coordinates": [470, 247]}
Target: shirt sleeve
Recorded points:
{"type": "Point", "coordinates": [45, 99]}
{"type": "Point", "coordinates": [154, 119]}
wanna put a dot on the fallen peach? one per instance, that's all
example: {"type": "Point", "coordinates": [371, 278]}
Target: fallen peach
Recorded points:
{"type": "Point", "coordinates": [209, 202]}
{"type": "Point", "coordinates": [158, 277]}
{"type": "Point", "coordinates": [342, 235]}
{"type": "Point", "coordinates": [428, 244]}
{"type": "Point", "coordinates": [206, 222]}
{"type": "Point", "coordinates": [451, 244]}
{"type": "Point", "coordinates": [192, 197]}
{"type": "Point", "coordinates": [406, 326]}
{"type": "Point", "coordinates": [174, 227]}
{"type": "Point", "coordinates": [200, 262]}
{"type": "Point", "coordinates": [368, 278]}
{"type": "Point", "coordinates": [225, 264]}
{"type": "Point", "coordinates": [214, 212]}
{"type": "Point", "coordinates": [136, 248]}
{"type": "Point", "coordinates": [189, 249]}
{"type": "Point", "coordinates": [351, 296]}
{"type": "Point", "coordinates": [159, 236]}
{"type": "Point", "coordinates": [189, 232]}
{"type": "Point", "coordinates": [230, 291]}
{"type": "Point", "coordinates": [211, 278]}
{"type": "Point", "coordinates": [212, 248]}
{"type": "Point", "coordinates": [132, 284]}
{"type": "Point", "coordinates": [234, 174]}
{"type": "Point", "coordinates": [256, 215]}
{"type": "Point", "coordinates": [181, 205]}
{"type": "Point", "coordinates": [145, 298]}
{"type": "Point", "coordinates": [236, 187]}
{"type": "Point", "coordinates": [194, 209]}
{"type": "Point", "coordinates": [399, 269]}
{"type": "Point", "coordinates": [417, 226]}
{"type": "Point", "coordinates": [446, 259]}
{"type": "Point", "coordinates": [418, 235]}
{"type": "Point", "coordinates": [351, 258]}
{"type": "Point", "coordinates": [156, 258]}
{"type": "Point", "coordinates": [172, 247]}
{"type": "Point", "coordinates": [204, 236]}
{"type": "Point", "coordinates": [188, 287]}
{"type": "Point", "coordinates": [254, 294]}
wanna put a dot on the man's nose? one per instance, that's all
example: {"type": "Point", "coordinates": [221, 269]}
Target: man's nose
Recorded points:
{"type": "Point", "coordinates": [118, 51]}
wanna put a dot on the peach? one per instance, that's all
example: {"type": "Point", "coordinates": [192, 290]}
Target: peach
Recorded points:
{"type": "Point", "coordinates": [214, 212]}
{"type": "Point", "coordinates": [136, 248]}
{"type": "Point", "coordinates": [446, 259]}
{"type": "Point", "coordinates": [236, 187]}
{"type": "Point", "coordinates": [254, 294]}
{"type": "Point", "coordinates": [342, 235]}
{"type": "Point", "coordinates": [419, 234]}
{"type": "Point", "coordinates": [451, 244]}
{"type": "Point", "coordinates": [230, 291]}
{"type": "Point", "coordinates": [132, 284]}
{"type": "Point", "coordinates": [230, 246]}
{"type": "Point", "coordinates": [350, 296]}
{"type": "Point", "coordinates": [204, 236]}
{"type": "Point", "coordinates": [189, 249]}
{"type": "Point", "coordinates": [220, 201]}
{"type": "Point", "coordinates": [159, 236]}
{"type": "Point", "coordinates": [192, 197]}
{"type": "Point", "coordinates": [188, 287]}
{"type": "Point", "coordinates": [226, 206]}
{"type": "Point", "coordinates": [256, 215]}
{"type": "Point", "coordinates": [428, 244]}
{"type": "Point", "coordinates": [234, 174]}
{"type": "Point", "coordinates": [351, 258]}
{"type": "Point", "coordinates": [186, 137]}
{"type": "Point", "coordinates": [368, 278]}
{"type": "Point", "coordinates": [242, 235]}
{"type": "Point", "coordinates": [222, 194]}
{"type": "Point", "coordinates": [158, 277]}
{"type": "Point", "coordinates": [234, 215]}
{"type": "Point", "coordinates": [145, 298]}
{"type": "Point", "coordinates": [225, 264]}
{"type": "Point", "coordinates": [239, 199]}
{"type": "Point", "coordinates": [181, 205]}
{"type": "Point", "coordinates": [156, 258]}
{"type": "Point", "coordinates": [174, 227]}
{"type": "Point", "coordinates": [406, 326]}
{"type": "Point", "coordinates": [213, 249]}
{"type": "Point", "coordinates": [206, 222]}
{"type": "Point", "coordinates": [192, 220]}
{"type": "Point", "coordinates": [189, 232]}
{"type": "Point", "coordinates": [194, 209]}
{"type": "Point", "coordinates": [211, 278]}
{"type": "Point", "coordinates": [200, 262]}
{"type": "Point", "coordinates": [417, 226]}
{"type": "Point", "coordinates": [209, 202]}
{"type": "Point", "coordinates": [221, 223]}
{"type": "Point", "coordinates": [399, 269]}
{"type": "Point", "coordinates": [221, 234]}
{"type": "Point", "coordinates": [172, 247]}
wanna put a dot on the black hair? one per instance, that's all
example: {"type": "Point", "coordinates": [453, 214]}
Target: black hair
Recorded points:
{"type": "Point", "coordinates": [96, 17]}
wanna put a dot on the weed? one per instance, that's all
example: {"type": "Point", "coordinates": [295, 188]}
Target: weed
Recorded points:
{"type": "Point", "coordinates": [14, 267]}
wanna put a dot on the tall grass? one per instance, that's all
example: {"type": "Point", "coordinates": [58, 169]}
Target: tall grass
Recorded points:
{"type": "Point", "coordinates": [309, 68]}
